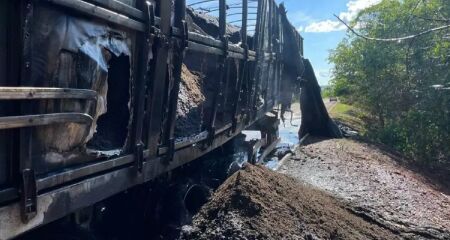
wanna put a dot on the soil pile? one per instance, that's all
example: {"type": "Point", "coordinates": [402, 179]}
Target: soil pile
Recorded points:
{"type": "Point", "coordinates": [257, 203]}
{"type": "Point", "coordinates": [190, 100]}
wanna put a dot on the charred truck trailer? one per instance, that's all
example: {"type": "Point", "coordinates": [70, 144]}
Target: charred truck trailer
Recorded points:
{"type": "Point", "coordinates": [98, 96]}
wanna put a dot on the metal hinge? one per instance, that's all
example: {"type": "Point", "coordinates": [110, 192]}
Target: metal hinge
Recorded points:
{"type": "Point", "coordinates": [28, 201]}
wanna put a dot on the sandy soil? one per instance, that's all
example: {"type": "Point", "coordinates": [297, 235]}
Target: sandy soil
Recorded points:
{"type": "Point", "coordinates": [257, 203]}
{"type": "Point", "coordinates": [375, 186]}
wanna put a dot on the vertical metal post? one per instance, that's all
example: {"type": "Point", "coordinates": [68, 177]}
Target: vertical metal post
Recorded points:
{"type": "Point", "coordinates": [243, 71]}
{"type": "Point", "coordinates": [244, 23]}
{"type": "Point", "coordinates": [268, 78]}
{"type": "Point", "coordinates": [144, 46]}
{"type": "Point", "coordinates": [159, 78]}
{"type": "Point", "coordinates": [222, 18]}
{"type": "Point", "coordinates": [222, 69]}
{"type": "Point", "coordinates": [179, 51]}
{"type": "Point", "coordinates": [28, 190]}
{"type": "Point", "coordinates": [260, 54]}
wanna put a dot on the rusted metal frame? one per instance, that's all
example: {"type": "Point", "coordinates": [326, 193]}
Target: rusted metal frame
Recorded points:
{"type": "Point", "coordinates": [239, 13]}
{"type": "Point", "coordinates": [222, 69]}
{"type": "Point", "coordinates": [14, 56]}
{"type": "Point", "coordinates": [102, 13]}
{"type": "Point", "coordinates": [260, 54]}
{"type": "Point", "coordinates": [25, 93]}
{"type": "Point", "coordinates": [254, 72]}
{"type": "Point", "coordinates": [237, 21]}
{"type": "Point", "coordinates": [107, 15]}
{"type": "Point", "coordinates": [43, 119]}
{"type": "Point", "coordinates": [197, 47]}
{"type": "Point", "coordinates": [267, 72]}
{"type": "Point", "coordinates": [209, 42]}
{"type": "Point", "coordinates": [55, 179]}
{"type": "Point", "coordinates": [87, 191]}
{"type": "Point", "coordinates": [144, 44]}
{"type": "Point", "coordinates": [28, 182]}
{"type": "Point", "coordinates": [122, 8]}
{"type": "Point", "coordinates": [179, 52]}
{"type": "Point", "coordinates": [274, 61]}
{"type": "Point", "coordinates": [213, 42]}
{"type": "Point", "coordinates": [244, 69]}
{"type": "Point", "coordinates": [159, 78]}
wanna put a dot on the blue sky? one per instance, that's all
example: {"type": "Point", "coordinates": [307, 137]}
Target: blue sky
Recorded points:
{"type": "Point", "coordinates": [315, 21]}
{"type": "Point", "coordinates": [320, 29]}
{"type": "Point", "coordinates": [317, 44]}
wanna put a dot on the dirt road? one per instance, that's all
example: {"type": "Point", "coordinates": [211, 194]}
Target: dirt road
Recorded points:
{"type": "Point", "coordinates": [375, 186]}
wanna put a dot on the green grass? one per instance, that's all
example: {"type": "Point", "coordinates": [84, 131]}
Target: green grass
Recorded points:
{"type": "Point", "coordinates": [349, 115]}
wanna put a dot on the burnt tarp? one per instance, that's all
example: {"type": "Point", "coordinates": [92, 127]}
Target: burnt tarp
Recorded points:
{"type": "Point", "coordinates": [315, 118]}
{"type": "Point", "coordinates": [293, 66]}
{"type": "Point", "coordinates": [72, 52]}
{"type": "Point", "coordinates": [299, 71]}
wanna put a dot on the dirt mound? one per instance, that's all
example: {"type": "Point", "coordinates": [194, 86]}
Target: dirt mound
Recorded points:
{"type": "Point", "coordinates": [257, 203]}
{"type": "Point", "coordinates": [190, 100]}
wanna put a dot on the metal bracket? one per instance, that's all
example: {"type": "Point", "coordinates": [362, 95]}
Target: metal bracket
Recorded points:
{"type": "Point", "coordinates": [185, 42]}
{"type": "Point", "coordinates": [211, 135]}
{"type": "Point", "coordinates": [151, 23]}
{"type": "Point", "coordinates": [139, 156]}
{"type": "Point", "coordinates": [225, 48]}
{"type": "Point", "coordinates": [28, 201]}
{"type": "Point", "coordinates": [171, 150]}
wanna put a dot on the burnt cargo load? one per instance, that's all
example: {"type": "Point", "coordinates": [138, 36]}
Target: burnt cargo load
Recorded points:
{"type": "Point", "coordinates": [98, 96]}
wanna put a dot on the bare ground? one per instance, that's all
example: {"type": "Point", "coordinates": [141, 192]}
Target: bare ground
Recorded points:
{"type": "Point", "coordinates": [375, 186]}
{"type": "Point", "coordinates": [257, 203]}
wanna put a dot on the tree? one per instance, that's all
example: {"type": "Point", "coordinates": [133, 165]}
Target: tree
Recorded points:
{"type": "Point", "coordinates": [404, 84]}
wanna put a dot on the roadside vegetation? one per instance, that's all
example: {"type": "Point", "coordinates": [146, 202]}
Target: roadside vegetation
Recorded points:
{"type": "Point", "coordinates": [349, 115]}
{"type": "Point", "coordinates": [400, 85]}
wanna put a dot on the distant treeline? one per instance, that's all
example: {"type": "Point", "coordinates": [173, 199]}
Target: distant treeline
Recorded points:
{"type": "Point", "coordinates": [395, 66]}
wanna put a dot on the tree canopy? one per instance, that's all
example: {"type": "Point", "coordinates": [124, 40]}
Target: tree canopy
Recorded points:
{"type": "Point", "coordinates": [404, 84]}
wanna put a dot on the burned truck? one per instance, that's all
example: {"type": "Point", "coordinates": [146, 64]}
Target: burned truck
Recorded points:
{"type": "Point", "coordinates": [98, 96]}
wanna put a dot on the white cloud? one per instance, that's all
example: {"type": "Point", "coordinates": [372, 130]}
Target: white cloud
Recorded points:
{"type": "Point", "coordinates": [353, 8]}
{"type": "Point", "coordinates": [324, 26]}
